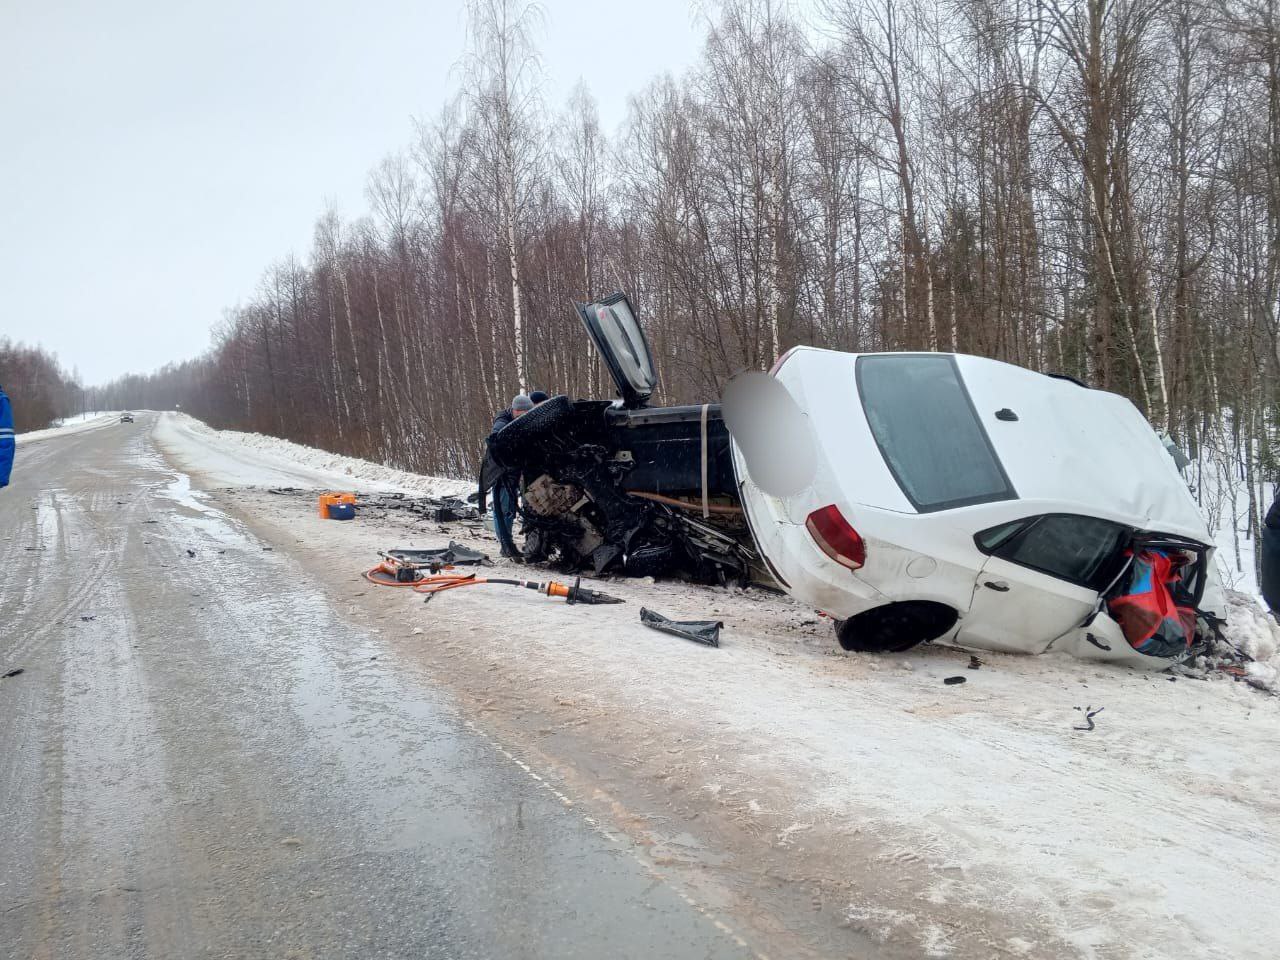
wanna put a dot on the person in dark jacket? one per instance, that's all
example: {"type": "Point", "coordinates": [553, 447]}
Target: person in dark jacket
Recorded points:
{"type": "Point", "coordinates": [538, 396]}
{"type": "Point", "coordinates": [521, 403]}
{"type": "Point", "coordinates": [507, 489]}
{"type": "Point", "coordinates": [1270, 580]}
{"type": "Point", "coordinates": [7, 441]}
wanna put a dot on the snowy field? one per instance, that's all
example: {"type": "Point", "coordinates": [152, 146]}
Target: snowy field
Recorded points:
{"type": "Point", "coordinates": [972, 820]}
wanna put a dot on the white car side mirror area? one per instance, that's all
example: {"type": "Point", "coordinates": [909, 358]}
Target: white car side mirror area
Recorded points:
{"type": "Point", "coordinates": [772, 432]}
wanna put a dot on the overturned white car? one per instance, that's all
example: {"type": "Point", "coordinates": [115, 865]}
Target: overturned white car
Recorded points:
{"type": "Point", "coordinates": [954, 497]}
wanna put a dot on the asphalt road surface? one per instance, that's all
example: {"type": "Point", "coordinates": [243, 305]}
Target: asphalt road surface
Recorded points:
{"type": "Point", "coordinates": [204, 757]}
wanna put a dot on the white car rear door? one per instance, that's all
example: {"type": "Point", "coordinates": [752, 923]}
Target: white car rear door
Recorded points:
{"type": "Point", "coordinates": [1020, 610]}
{"type": "Point", "coordinates": [1041, 579]}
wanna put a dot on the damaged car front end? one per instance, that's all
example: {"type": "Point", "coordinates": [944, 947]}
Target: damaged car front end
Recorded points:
{"type": "Point", "coordinates": [619, 486]}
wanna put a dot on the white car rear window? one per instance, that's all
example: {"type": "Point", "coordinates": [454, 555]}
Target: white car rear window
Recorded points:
{"type": "Point", "coordinates": [928, 431]}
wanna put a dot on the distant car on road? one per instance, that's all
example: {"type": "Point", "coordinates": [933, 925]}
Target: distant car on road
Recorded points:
{"type": "Point", "coordinates": [126, 418]}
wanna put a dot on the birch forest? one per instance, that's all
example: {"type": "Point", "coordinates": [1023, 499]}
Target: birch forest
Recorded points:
{"type": "Point", "coordinates": [45, 391]}
{"type": "Point", "coordinates": [1090, 187]}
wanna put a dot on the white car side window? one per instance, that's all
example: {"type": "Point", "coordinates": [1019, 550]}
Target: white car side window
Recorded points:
{"type": "Point", "coordinates": [1075, 548]}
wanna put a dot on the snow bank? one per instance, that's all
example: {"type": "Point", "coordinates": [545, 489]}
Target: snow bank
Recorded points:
{"type": "Point", "coordinates": [1256, 633]}
{"type": "Point", "coordinates": [69, 426]}
{"type": "Point", "coordinates": [231, 458]}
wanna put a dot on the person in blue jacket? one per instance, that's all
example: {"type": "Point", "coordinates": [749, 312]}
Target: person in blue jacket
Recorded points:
{"type": "Point", "coordinates": [7, 442]}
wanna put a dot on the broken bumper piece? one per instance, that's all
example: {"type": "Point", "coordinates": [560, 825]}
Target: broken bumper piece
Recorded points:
{"type": "Point", "coordinates": [706, 632]}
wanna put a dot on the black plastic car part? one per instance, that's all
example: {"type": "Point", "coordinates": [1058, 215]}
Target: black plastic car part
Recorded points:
{"type": "Point", "coordinates": [706, 632]}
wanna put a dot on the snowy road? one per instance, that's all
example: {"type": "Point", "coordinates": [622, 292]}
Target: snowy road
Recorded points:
{"type": "Point", "coordinates": [204, 757]}
{"type": "Point", "coordinates": [214, 764]}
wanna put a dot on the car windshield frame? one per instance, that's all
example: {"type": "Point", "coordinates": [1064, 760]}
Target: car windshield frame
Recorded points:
{"type": "Point", "coordinates": [1006, 490]}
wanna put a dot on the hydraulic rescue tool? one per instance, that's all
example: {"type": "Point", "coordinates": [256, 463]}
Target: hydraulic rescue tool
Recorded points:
{"type": "Point", "coordinates": [577, 593]}
{"type": "Point", "coordinates": [422, 572]}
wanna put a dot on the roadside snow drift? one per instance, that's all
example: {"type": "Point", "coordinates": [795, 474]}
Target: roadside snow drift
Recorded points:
{"type": "Point", "coordinates": [230, 458]}
{"type": "Point", "coordinates": [69, 426]}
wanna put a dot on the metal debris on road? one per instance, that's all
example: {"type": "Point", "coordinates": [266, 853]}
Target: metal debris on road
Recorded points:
{"type": "Point", "coordinates": [424, 508]}
{"type": "Point", "coordinates": [405, 566]}
{"type": "Point", "coordinates": [1089, 714]}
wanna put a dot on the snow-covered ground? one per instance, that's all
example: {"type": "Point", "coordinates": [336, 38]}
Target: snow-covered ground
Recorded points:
{"type": "Point", "coordinates": [231, 458]}
{"type": "Point", "coordinates": [1221, 487]}
{"type": "Point", "coordinates": [69, 426]}
{"type": "Point", "coordinates": [972, 820]}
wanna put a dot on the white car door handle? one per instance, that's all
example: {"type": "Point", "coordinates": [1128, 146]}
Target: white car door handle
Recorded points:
{"type": "Point", "coordinates": [998, 585]}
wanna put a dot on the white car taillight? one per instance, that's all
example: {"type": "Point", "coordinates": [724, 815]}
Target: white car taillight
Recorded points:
{"type": "Point", "coordinates": [836, 537]}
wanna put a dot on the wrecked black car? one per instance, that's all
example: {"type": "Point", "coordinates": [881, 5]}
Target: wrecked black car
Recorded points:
{"type": "Point", "coordinates": [619, 486]}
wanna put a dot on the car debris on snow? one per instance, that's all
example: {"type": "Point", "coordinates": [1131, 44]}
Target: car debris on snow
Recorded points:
{"type": "Point", "coordinates": [1089, 714]}
{"type": "Point", "coordinates": [426, 508]}
{"type": "Point", "coordinates": [625, 487]}
{"type": "Point", "coordinates": [706, 632]}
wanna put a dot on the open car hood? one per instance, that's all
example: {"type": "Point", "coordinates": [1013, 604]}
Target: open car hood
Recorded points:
{"type": "Point", "coordinates": [617, 334]}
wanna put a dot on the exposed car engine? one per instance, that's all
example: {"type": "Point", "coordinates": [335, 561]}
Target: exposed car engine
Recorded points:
{"type": "Point", "coordinates": [606, 489]}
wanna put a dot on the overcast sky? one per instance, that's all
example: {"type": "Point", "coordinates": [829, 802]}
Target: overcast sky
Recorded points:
{"type": "Point", "coordinates": [156, 156]}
